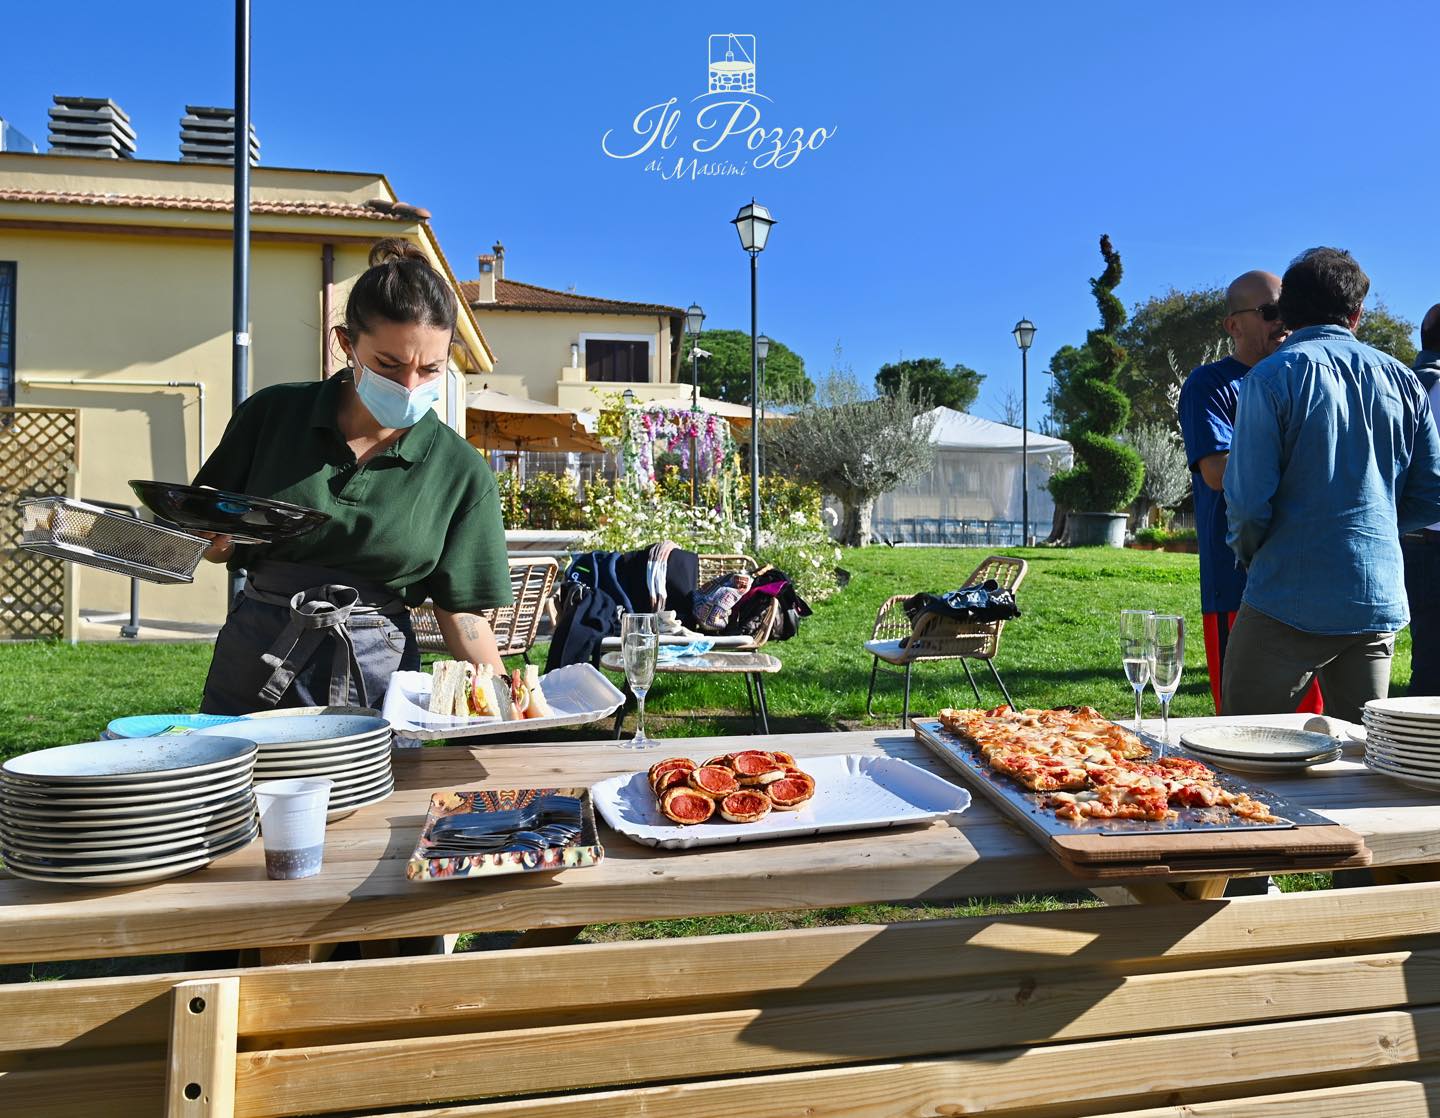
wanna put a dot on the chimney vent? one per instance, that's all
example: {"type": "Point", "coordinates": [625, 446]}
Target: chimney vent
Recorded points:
{"type": "Point", "coordinates": [12, 139]}
{"type": "Point", "coordinates": [499, 260]}
{"type": "Point", "coordinates": [207, 135]}
{"type": "Point", "coordinates": [94, 126]}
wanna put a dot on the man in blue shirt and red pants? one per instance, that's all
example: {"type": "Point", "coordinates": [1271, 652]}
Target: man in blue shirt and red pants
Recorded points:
{"type": "Point", "coordinates": [1207, 422]}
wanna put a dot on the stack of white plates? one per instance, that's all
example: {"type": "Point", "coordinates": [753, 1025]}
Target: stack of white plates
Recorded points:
{"type": "Point", "coordinates": [352, 750]}
{"type": "Point", "coordinates": [1261, 749]}
{"type": "Point", "coordinates": [1402, 739]}
{"type": "Point", "coordinates": [115, 813]}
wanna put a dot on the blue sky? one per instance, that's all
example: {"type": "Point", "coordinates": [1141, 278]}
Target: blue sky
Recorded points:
{"type": "Point", "coordinates": [978, 150]}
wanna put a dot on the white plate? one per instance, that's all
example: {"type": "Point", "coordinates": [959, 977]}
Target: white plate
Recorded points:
{"type": "Point", "coordinates": [853, 792]}
{"type": "Point", "coordinates": [333, 762]}
{"type": "Point", "coordinates": [1420, 707]}
{"type": "Point", "coordinates": [125, 877]}
{"type": "Point", "coordinates": [1416, 725]}
{"type": "Point", "coordinates": [1403, 733]}
{"type": "Point", "coordinates": [302, 712]}
{"type": "Point", "coordinates": [118, 762]}
{"type": "Point", "coordinates": [154, 813]}
{"type": "Point", "coordinates": [66, 801]}
{"type": "Point", "coordinates": [86, 820]}
{"type": "Point", "coordinates": [1260, 743]}
{"type": "Point", "coordinates": [1421, 752]}
{"type": "Point", "coordinates": [340, 811]}
{"type": "Point", "coordinates": [282, 753]}
{"type": "Point", "coordinates": [1420, 765]}
{"type": "Point", "coordinates": [342, 795]}
{"type": "Point", "coordinates": [104, 839]}
{"type": "Point", "coordinates": [117, 852]}
{"type": "Point", "coordinates": [160, 782]}
{"type": "Point", "coordinates": [120, 864]}
{"type": "Point", "coordinates": [578, 694]}
{"type": "Point", "coordinates": [310, 729]}
{"type": "Point", "coordinates": [1428, 783]}
{"type": "Point", "coordinates": [1262, 765]}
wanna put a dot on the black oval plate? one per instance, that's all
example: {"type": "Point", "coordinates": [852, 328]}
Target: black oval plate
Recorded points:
{"type": "Point", "coordinates": [248, 519]}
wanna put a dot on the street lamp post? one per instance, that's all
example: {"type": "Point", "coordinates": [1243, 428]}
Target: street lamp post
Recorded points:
{"type": "Point", "coordinates": [694, 320]}
{"type": "Point", "coordinates": [753, 224]}
{"type": "Point", "coordinates": [762, 347]}
{"type": "Point", "coordinates": [1024, 334]}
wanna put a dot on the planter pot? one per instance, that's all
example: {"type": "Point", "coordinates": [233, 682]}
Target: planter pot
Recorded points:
{"type": "Point", "coordinates": [1186, 547]}
{"type": "Point", "coordinates": [1134, 546]}
{"type": "Point", "coordinates": [1095, 529]}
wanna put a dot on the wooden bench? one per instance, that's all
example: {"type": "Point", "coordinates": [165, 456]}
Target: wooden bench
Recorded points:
{"type": "Point", "coordinates": [1315, 1004]}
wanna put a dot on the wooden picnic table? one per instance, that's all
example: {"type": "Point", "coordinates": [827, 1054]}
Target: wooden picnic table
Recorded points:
{"type": "Point", "coordinates": [363, 893]}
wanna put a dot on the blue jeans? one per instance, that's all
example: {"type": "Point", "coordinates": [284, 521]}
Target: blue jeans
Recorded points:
{"type": "Point", "coordinates": [1422, 587]}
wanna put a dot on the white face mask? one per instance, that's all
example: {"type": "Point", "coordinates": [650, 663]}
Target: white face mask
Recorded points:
{"type": "Point", "coordinates": [390, 403]}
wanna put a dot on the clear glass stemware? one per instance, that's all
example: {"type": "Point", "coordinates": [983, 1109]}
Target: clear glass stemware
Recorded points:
{"type": "Point", "coordinates": [1135, 652]}
{"type": "Point", "coordinates": [639, 647]}
{"type": "Point", "coordinates": [1167, 661]}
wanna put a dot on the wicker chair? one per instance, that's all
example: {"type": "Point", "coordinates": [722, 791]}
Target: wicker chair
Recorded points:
{"type": "Point", "coordinates": [712, 566]}
{"type": "Point", "coordinates": [896, 641]}
{"type": "Point", "coordinates": [515, 626]}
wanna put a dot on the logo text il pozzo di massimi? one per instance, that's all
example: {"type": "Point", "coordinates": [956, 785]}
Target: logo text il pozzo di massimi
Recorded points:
{"type": "Point", "coordinates": [724, 134]}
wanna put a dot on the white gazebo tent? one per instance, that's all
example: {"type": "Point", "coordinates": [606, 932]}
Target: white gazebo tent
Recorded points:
{"type": "Point", "coordinates": [972, 494]}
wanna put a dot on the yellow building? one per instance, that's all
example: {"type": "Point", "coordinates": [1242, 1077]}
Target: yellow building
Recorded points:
{"type": "Point", "coordinates": [122, 308]}
{"type": "Point", "coordinates": [573, 350]}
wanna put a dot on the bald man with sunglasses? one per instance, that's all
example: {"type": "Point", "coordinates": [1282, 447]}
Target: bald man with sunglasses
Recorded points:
{"type": "Point", "coordinates": [1207, 422]}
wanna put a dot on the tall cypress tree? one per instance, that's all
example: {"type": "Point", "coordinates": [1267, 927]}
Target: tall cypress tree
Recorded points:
{"type": "Point", "coordinates": [1107, 474]}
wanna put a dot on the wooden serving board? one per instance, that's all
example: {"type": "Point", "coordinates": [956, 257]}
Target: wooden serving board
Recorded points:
{"type": "Point", "coordinates": [1088, 852]}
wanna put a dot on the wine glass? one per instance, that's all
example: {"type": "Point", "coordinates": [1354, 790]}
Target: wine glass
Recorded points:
{"type": "Point", "coordinates": [639, 646]}
{"type": "Point", "coordinates": [1167, 660]}
{"type": "Point", "coordinates": [1135, 652]}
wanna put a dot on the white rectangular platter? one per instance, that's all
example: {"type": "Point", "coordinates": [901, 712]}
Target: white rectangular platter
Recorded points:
{"type": "Point", "coordinates": [578, 694]}
{"type": "Point", "coordinates": [853, 792]}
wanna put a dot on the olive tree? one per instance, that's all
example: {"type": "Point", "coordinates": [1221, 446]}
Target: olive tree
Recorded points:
{"type": "Point", "coordinates": [857, 448]}
{"type": "Point", "coordinates": [1167, 473]}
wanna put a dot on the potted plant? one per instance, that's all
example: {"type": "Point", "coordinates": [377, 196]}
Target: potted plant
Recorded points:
{"type": "Point", "coordinates": [1107, 473]}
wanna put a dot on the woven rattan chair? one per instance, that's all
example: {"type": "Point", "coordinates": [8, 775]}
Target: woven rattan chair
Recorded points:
{"type": "Point", "coordinates": [896, 641]}
{"type": "Point", "coordinates": [712, 566]}
{"type": "Point", "coordinates": [515, 626]}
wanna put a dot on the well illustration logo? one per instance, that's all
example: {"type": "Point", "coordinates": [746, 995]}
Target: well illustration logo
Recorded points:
{"type": "Point", "coordinates": [729, 73]}
{"type": "Point", "coordinates": [720, 132]}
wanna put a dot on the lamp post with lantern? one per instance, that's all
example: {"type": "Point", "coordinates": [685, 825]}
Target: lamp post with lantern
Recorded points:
{"type": "Point", "coordinates": [1024, 333]}
{"type": "Point", "coordinates": [753, 224]}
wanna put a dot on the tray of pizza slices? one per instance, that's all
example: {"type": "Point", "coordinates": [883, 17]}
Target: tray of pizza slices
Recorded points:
{"type": "Point", "coordinates": [1109, 802]}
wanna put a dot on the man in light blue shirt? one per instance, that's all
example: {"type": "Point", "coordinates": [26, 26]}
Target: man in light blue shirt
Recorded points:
{"type": "Point", "coordinates": [1335, 455]}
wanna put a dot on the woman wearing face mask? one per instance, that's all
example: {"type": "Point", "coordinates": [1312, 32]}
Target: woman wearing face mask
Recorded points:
{"type": "Point", "coordinates": [414, 511]}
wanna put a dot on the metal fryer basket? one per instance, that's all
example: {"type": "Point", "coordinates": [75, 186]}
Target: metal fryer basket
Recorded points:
{"type": "Point", "coordinates": [67, 529]}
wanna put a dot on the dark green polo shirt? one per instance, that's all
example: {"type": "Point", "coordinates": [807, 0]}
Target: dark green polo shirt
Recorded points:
{"type": "Point", "coordinates": [422, 517]}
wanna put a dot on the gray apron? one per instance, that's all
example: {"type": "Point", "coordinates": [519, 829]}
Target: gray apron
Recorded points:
{"type": "Point", "coordinates": [300, 635]}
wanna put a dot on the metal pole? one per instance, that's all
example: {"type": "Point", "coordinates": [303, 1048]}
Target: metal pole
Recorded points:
{"type": "Point", "coordinates": [754, 417]}
{"type": "Point", "coordinates": [1025, 446]}
{"type": "Point", "coordinates": [694, 418]}
{"type": "Point", "coordinates": [240, 279]}
{"type": "Point", "coordinates": [762, 413]}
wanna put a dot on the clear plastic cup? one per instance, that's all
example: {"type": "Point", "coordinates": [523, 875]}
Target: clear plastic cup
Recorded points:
{"type": "Point", "coordinates": [292, 825]}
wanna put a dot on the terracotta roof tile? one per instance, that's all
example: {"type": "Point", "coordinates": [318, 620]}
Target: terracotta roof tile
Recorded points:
{"type": "Point", "coordinates": [214, 205]}
{"type": "Point", "coordinates": [511, 295]}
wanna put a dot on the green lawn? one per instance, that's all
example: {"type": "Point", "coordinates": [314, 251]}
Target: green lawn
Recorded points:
{"type": "Point", "coordinates": [1061, 651]}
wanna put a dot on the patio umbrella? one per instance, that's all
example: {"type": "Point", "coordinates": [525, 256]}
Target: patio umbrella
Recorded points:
{"type": "Point", "coordinates": [498, 421]}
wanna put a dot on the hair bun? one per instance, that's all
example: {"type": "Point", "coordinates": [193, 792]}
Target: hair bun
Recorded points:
{"type": "Point", "coordinates": [396, 249]}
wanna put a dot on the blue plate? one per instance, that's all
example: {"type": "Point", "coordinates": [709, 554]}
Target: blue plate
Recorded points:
{"type": "Point", "coordinates": [148, 725]}
{"type": "Point", "coordinates": [311, 728]}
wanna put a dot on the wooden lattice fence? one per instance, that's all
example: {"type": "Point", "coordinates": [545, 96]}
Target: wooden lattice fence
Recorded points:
{"type": "Point", "coordinates": [39, 455]}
